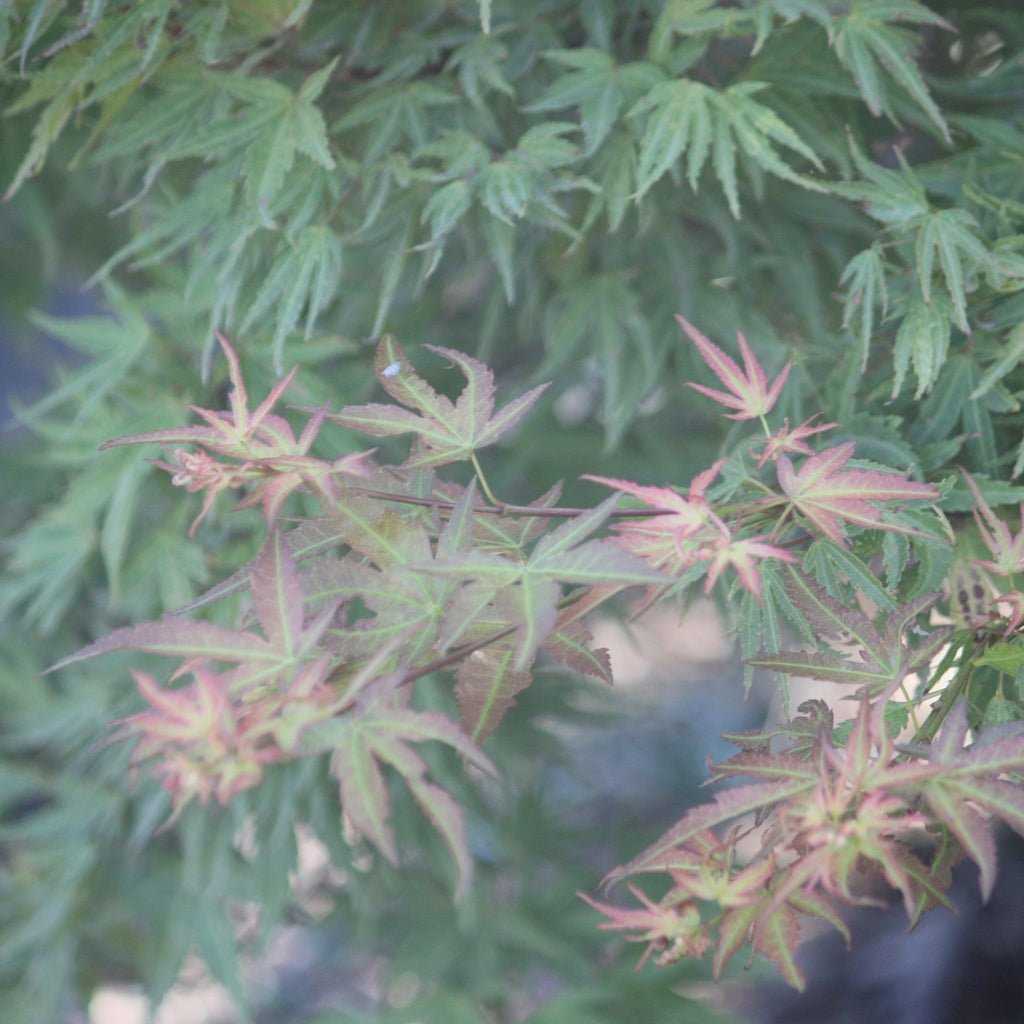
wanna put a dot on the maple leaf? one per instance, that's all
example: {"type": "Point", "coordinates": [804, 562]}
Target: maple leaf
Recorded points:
{"type": "Point", "coordinates": [382, 730]}
{"type": "Point", "coordinates": [569, 641]}
{"type": "Point", "coordinates": [486, 684]}
{"type": "Point", "coordinates": [749, 392]}
{"type": "Point", "coordinates": [671, 932]}
{"type": "Point", "coordinates": [965, 787]}
{"type": "Point", "coordinates": [289, 641]}
{"type": "Point", "coordinates": [487, 680]}
{"type": "Point", "coordinates": [449, 431]}
{"type": "Point", "coordinates": [741, 554]}
{"type": "Point", "coordinates": [271, 456]}
{"type": "Point", "coordinates": [837, 832]}
{"type": "Point", "coordinates": [730, 804]}
{"type": "Point", "coordinates": [205, 746]}
{"type": "Point", "coordinates": [710, 875]}
{"type": "Point", "coordinates": [236, 433]}
{"type": "Point", "coordinates": [402, 602]}
{"type": "Point", "coordinates": [823, 492]}
{"type": "Point", "coordinates": [786, 440]}
{"type": "Point", "coordinates": [1015, 613]}
{"type": "Point", "coordinates": [687, 532]}
{"type": "Point", "coordinates": [526, 591]}
{"type": "Point", "coordinates": [1007, 549]}
{"type": "Point", "coordinates": [680, 517]}
{"type": "Point", "coordinates": [858, 654]}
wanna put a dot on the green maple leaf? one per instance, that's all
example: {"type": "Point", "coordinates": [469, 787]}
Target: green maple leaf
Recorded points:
{"type": "Point", "coordinates": [866, 290]}
{"type": "Point", "coordinates": [526, 592]}
{"type": "Point", "coordinates": [867, 45]}
{"type": "Point", "coordinates": [693, 118]}
{"type": "Point", "coordinates": [273, 124]}
{"type": "Point", "coordinates": [949, 236]}
{"type": "Point", "coordinates": [598, 86]}
{"type": "Point", "coordinates": [880, 657]}
{"type": "Point", "coordinates": [404, 603]}
{"type": "Point", "coordinates": [924, 338]}
{"type": "Point", "coordinates": [449, 432]}
{"type": "Point", "coordinates": [381, 731]}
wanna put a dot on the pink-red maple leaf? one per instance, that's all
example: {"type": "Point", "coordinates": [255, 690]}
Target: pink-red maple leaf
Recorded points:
{"type": "Point", "coordinates": [741, 554]}
{"type": "Point", "coordinates": [671, 931]}
{"type": "Point", "coordinates": [1007, 549]}
{"type": "Point", "coordinates": [749, 391]}
{"type": "Point", "coordinates": [688, 532]}
{"type": "Point", "coordinates": [824, 493]}
{"type": "Point", "coordinates": [270, 455]}
{"type": "Point", "coordinates": [204, 745]}
{"type": "Point", "coordinates": [681, 517]}
{"type": "Point", "coordinates": [786, 440]}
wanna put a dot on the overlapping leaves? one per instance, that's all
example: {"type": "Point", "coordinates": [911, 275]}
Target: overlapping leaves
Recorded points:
{"type": "Point", "coordinates": [688, 117]}
{"type": "Point", "coordinates": [834, 813]}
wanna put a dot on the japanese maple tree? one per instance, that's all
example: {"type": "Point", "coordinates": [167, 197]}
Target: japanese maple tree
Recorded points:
{"type": "Point", "coordinates": [593, 306]}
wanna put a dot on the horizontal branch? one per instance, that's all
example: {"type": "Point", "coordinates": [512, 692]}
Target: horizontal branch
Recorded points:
{"type": "Point", "coordinates": [504, 510]}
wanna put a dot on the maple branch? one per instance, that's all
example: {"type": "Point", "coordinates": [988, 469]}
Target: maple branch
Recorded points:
{"type": "Point", "coordinates": [456, 656]}
{"type": "Point", "coordinates": [503, 509]}
{"type": "Point", "coordinates": [467, 649]}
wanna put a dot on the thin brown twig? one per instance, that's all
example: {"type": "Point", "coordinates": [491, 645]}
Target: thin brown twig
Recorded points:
{"type": "Point", "coordinates": [456, 656]}
{"type": "Point", "coordinates": [511, 510]}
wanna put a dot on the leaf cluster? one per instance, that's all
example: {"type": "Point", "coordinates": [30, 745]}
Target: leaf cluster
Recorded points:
{"type": "Point", "coordinates": [535, 187]}
{"type": "Point", "coordinates": [403, 574]}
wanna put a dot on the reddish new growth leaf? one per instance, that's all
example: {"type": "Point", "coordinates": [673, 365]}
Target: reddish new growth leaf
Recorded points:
{"type": "Point", "coordinates": [682, 517]}
{"type": "Point", "coordinates": [671, 931]}
{"type": "Point", "coordinates": [833, 815]}
{"type": "Point", "coordinates": [448, 432]}
{"type": "Point", "coordinates": [270, 456]}
{"type": "Point", "coordinates": [213, 736]}
{"type": "Point", "coordinates": [786, 440]}
{"type": "Point", "coordinates": [206, 745]}
{"type": "Point", "coordinates": [741, 554]}
{"type": "Point", "coordinates": [1007, 549]}
{"type": "Point", "coordinates": [1014, 601]}
{"type": "Point", "coordinates": [823, 492]}
{"type": "Point", "coordinates": [688, 532]}
{"type": "Point", "coordinates": [853, 817]}
{"type": "Point", "coordinates": [748, 392]}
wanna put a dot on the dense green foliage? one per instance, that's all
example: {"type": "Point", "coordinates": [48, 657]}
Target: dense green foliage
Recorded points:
{"type": "Point", "coordinates": [837, 179]}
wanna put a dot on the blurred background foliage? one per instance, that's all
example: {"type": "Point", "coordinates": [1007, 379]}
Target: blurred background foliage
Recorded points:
{"type": "Point", "coordinates": [840, 179]}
